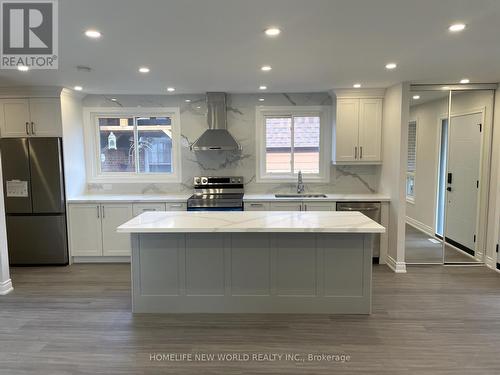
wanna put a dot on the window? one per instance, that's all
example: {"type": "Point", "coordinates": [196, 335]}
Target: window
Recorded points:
{"type": "Point", "coordinates": [291, 140]}
{"type": "Point", "coordinates": [134, 145]}
{"type": "Point", "coordinates": [411, 167]}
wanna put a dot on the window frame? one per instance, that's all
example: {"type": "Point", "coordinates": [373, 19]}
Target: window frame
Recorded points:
{"type": "Point", "coordinates": [412, 174]}
{"type": "Point", "coordinates": [323, 112]}
{"type": "Point", "coordinates": [92, 142]}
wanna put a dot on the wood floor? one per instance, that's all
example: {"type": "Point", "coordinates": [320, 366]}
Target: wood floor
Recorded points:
{"type": "Point", "coordinates": [77, 320]}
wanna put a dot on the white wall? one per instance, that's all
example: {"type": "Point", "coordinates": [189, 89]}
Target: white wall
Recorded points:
{"type": "Point", "coordinates": [392, 178]}
{"type": "Point", "coordinates": [241, 124]}
{"type": "Point", "coordinates": [73, 145]}
{"type": "Point", "coordinates": [428, 117]}
{"type": "Point", "coordinates": [5, 282]}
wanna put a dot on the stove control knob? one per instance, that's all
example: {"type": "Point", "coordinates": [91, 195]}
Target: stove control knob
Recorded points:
{"type": "Point", "coordinates": [204, 180]}
{"type": "Point", "coordinates": [196, 180]}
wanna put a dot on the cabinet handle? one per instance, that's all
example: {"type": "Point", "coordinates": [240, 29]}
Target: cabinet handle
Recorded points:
{"type": "Point", "coordinates": [103, 216]}
{"type": "Point", "coordinates": [27, 128]}
{"type": "Point", "coordinates": [176, 205]}
{"type": "Point", "coordinates": [148, 209]}
{"type": "Point", "coordinates": [98, 212]}
{"type": "Point", "coordinates": [33, 128]}
{"type": "Point", "coordinates": [355, 152]}
{"type": "Point", "coordinates": [305, 207]}
{"type": "Point", "coordinates": [256, 205]}
{"type": "Point", "coordinates": [361, 152]}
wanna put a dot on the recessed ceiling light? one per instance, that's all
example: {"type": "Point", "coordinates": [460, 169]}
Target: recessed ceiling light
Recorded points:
{"type": "Point", "coordinates": [464, 80]}
{"type": "Point", "coordinates": [198, 107]}
{"type": "Point", "coordinates": [114, 99]}
{"type": "Point", "coordinates": [416, 97]}
{"type": "Point", "coordinates": [144, 69]}
{"type": "Point", "coordinates": [261, 99]}
{"type": "Point", "coordinates": [23, 68]}
{"type": "Point", "coordinates": [272, 31]}
{"type": "Point", "coordinates": [391, 66]}
{"type": "Point", "coordinates": [262, 87]}
{"type": "Point", "coordinates": [457, 27]}
{"type": "Point", "coordinates": [188, 100]}
{"type": "Point", "coordinates": [265, 68]}
{"type": "Point", "coordinates": [94, 34]}
{"type": "Point", "coordinates": [170, 89]}
{"type": "Point", "coordinates": [78, 88]}
{"type": "Point", "coordinates": [357, 85]}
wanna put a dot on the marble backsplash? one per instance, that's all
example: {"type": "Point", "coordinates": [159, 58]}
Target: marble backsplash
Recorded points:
{"type": "Point", "coordinates": [241, 124]}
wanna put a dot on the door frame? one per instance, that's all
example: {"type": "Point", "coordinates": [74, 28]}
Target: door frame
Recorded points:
{"type": "Point", "coordinates": [479, 238]}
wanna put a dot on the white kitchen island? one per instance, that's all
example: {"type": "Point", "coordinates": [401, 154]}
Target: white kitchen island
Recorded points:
{"type": "Point", "coordinates": [251, 262]}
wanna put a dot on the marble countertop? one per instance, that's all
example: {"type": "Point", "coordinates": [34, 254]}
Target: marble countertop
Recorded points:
{"type": "Point", "coordinates": [329, 197]}
{"type": "Point", "coordinates": [251, 221]}
{"type": "Point", "coordinates": [91, 198]}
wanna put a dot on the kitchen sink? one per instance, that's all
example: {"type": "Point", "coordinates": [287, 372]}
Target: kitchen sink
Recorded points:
{"type": "Point", "coordinates": [300, 195]}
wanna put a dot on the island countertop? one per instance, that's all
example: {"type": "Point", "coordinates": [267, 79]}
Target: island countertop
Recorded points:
{"type": "Point", "coordinates": [251, 221]}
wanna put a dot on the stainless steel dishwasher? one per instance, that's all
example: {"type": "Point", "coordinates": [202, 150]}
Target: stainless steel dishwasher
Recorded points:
{"type": "Point", "coordinates": [370, 209]}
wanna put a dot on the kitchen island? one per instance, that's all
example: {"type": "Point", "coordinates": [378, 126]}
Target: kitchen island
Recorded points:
{"type": "Point", "coordinates": [251, 262]}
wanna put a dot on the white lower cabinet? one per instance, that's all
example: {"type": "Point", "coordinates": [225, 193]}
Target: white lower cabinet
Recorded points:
{"type": "Point", "coordinates": [290, 206]}
{"type": "Point", "coordinates": [85, 233]}
{"type": "Point", "coordinates": [113, 215]}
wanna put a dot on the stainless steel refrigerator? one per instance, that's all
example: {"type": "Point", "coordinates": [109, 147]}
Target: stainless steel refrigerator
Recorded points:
{"type": "Point", "coordinates": [35, 206]}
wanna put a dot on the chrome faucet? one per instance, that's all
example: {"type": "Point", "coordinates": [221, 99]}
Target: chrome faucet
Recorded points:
{"type": "Point", "coordinates": [300, 183]}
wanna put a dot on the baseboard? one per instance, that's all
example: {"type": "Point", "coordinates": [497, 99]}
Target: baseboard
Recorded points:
{"type": "Point", "coordinates": [420, 226]}
{"type": "Point", "coordinates": [101, 259]}
{"type": "Point", "coordinates": [398, 267]}
{"type": "Point", "coordinates": [490, 262]}
{"type": "Point", "coordinates": [6, 287]}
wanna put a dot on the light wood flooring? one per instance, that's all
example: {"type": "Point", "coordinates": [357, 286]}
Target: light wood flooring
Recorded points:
{"type": "Point", "coordinates": [77, 320]}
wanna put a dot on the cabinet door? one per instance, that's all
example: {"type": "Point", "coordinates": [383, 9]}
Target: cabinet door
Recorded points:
{"type": "Point", "coordinates": [256, 206]}
{"type": "Point", "coordinates": [114, 215]}
{"type": "Point", "coordinates": [45, 116]}
{"type": "Point", "coordinates": [85, 236]}
{"type": "Point", "coordinates": [286, 206]}
{"type": "Point", "coordinates": [319, 206]}
{"type": "Point", "coordinates": [346, 130]}
{"type": "Point", "coordinates": [14, 118]}
{"type": "Point", "coordinates": [139, 208]}
{"type": "Point", "coordinates": [176, 206]}
{"type": "Point", "coordinates": [370, 129]}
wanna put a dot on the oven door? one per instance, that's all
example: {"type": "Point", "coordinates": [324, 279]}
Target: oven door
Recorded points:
{"type": "Point", "coordinates": [215, 208]}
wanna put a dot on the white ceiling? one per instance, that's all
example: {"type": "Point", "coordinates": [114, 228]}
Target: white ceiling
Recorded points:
{"type": "Point", "coordinates": [219, 45]}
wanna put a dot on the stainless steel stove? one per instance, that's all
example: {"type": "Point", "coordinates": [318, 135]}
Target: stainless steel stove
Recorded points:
{"type": "Point", "coordinates": [217, 194]}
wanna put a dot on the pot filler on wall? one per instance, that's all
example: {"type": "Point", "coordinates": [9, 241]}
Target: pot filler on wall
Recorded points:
{"type": "Point", "coordinates": [216, 137]}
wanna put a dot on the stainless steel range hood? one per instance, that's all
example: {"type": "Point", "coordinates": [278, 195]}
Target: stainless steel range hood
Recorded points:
{"type": "Point", "coordinates": [217, 136]}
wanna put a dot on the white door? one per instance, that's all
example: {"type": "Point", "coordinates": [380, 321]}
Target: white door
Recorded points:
{"type": "Point", "coordinates": [319, 206]}
{"type": "Point", "coordinates": [14, 118]}
{"type": "Point", "coordinates": [139, 208]}
{"type": "Point", "coordinates": [45, 116]}
{"type": "Point", "coordinates": [346, 130]}
{"type": "Point", "coordinates": [370, 129]}
{"type": "Point", "coordinates": [114, 215]}
{"type": "Point", "coordinates": [85, 236]}
{"type": "Point", "coordinates": [464, 157]}
{"type": "Point", "coordinates": [286, 206]}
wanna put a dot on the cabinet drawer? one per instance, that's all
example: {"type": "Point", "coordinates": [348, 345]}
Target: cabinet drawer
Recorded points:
{"type": "Point", "coordinates": [176, 206]}
{"type": "Point", "coordinates": [256, 206]}
{"type": "Point", "coordinates": [139, 208]}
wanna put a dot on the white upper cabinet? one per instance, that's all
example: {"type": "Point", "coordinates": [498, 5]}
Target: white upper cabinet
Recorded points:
{"type": "Point", "coordinates": [33, 117]}
{"type": "Point", "coordinates": [358, 130]}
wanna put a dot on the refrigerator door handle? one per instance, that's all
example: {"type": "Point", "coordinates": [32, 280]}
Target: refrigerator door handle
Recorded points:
{"type": "Point", "coordinates": [102, 212]}
{"type": "Point", "coordinates": [98, 211]}
{"type": "Point", "coordinates": [33, 128]}
{"type": "Point", "coordinates": [27, 128]}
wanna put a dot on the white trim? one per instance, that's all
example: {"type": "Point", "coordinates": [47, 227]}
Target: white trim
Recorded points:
{"type": "Point", "coordinates": [359, 93]}
{"type": "Point", "coordinates": [325, 137]}
{"type": "Point", "coordinates": [420, 226]}
{"type": "Point", "coordinates": [101, 259]}
{"type": "Point", "coordinates": [397, 267]}
{"type": "Point", "coordinates": [91, 140]}
{"type": "Point", "coordinates": [491, 263]}
{"type": "Point", "coordinates": [6, 287]}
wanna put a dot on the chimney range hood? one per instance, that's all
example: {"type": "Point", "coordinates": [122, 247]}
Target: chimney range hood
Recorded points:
{"type": "Point", "coordinates": [216, 137]}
